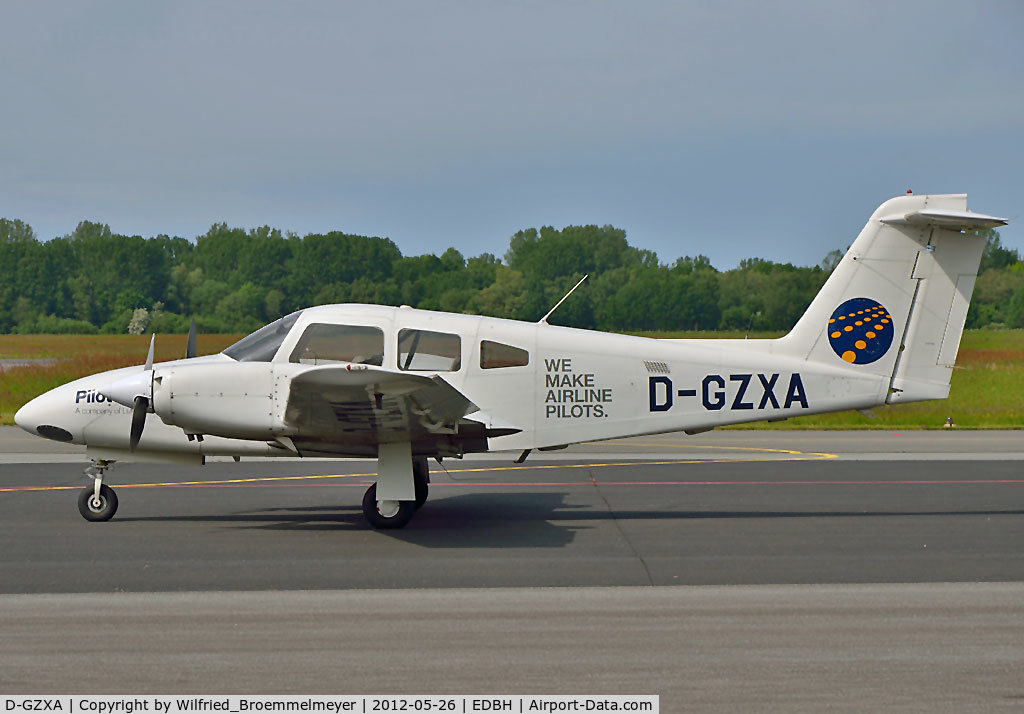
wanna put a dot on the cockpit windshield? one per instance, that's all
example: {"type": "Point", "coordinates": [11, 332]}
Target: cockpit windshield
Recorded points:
{"type": "Point", "coordinates": [262, 345]}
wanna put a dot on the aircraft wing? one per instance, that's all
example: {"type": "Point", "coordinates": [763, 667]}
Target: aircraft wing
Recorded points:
{"type": "Point", "coordinates": [373, 405]}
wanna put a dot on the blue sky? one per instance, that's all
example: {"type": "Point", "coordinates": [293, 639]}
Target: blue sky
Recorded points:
{"type": "Point", "coordinates": [732, 129]}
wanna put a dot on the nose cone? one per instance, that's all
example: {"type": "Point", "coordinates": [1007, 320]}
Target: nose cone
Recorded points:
{"type": "Point", "coordinates": [30, 415]}
{"type": "Point", "coordinates": [40, 417]}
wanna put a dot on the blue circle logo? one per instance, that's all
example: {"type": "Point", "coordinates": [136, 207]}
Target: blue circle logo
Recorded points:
{"type": "Point", "coordinates": [860, 331]}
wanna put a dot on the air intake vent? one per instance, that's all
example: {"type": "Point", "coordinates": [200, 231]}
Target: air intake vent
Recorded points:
{"type": "Point", "coordinates": [656, 367]}
{"type": "Point", "coordinates": [54, 432]}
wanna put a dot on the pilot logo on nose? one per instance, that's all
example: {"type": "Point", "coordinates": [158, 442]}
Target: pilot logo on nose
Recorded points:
{"type": "Point", "coordinates": [860, 331]}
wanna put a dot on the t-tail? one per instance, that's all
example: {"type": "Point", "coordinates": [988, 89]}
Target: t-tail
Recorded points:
{"type": "Point", "coordinates": [896, 304]}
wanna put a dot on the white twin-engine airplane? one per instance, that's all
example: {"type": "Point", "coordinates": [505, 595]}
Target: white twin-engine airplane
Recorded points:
{"type": "Point", "coordinates": [402, 385]}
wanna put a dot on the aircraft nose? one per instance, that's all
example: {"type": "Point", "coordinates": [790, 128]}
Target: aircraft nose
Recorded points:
{"type": "Point", "coordinates": [28, 417]}
{"type": "Point", "coordinates": [38, 417]}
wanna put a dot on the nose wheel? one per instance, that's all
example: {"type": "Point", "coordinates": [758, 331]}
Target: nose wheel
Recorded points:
{"type": "Point", "coordinates": [101, 507]}
{"type": "Point", "coordinates": [97, 502]}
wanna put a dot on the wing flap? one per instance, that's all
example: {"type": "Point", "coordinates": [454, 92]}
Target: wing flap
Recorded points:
{"type": "Point", "coordinates": [373, 405]}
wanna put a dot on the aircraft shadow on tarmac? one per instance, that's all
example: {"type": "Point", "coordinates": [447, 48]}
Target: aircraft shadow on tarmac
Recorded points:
{"type": "Point", "coordinates": [514, 520]}
{"type": "Point", "coordinates": [510, 520]}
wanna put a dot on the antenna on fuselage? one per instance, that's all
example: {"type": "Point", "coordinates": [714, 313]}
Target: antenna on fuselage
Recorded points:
{"type": "Point", "coordinates": [544, 320]}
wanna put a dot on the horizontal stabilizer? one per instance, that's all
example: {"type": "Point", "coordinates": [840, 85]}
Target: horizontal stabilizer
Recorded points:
{"type": "Point", "coordinates": [948, 219]}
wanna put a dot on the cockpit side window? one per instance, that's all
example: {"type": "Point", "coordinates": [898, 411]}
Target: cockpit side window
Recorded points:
{"type": "Point", "coordinates": [262, 345]}
{"type": "Point", "coordinates": [355, 344]}
{"type": "Point", "coordinates": [429, 351]}
{"type": "Point", "coordinates": [495, 355]}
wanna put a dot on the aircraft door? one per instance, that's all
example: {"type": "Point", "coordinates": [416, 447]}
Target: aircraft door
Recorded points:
{"type": "Point", "coordinates": [501, 375]}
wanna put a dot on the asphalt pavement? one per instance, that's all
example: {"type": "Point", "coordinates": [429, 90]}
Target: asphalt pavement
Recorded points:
{"type": "Point", "coordinates": [838, 570]}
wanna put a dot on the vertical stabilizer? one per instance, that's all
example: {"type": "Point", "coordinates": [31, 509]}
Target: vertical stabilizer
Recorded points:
{"type": "Point", "coordinates": [895, 305]}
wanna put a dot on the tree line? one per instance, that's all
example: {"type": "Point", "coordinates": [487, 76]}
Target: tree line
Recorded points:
{"type": "Point", "coordinates": [234, 280]}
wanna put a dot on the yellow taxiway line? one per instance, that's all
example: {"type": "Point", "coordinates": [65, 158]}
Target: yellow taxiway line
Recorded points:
{"type": "Point", "coordinates": [794, 456]}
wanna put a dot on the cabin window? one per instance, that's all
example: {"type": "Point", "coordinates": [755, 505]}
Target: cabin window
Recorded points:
{"type": "Point", "coordinates": [429, 351]}
{"type": "Point", "coordinates": [495, 355]}
{"type": "Point", "coordinates": [262, 345]}
{"type": "Point", "coordinates": [355, 344]}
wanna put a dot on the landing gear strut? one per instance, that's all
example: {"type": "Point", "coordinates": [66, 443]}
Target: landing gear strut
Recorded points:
{"type": "Point", "coordinates": [397, 513]}
{"type": "Point", "coordinates": [97, 502]}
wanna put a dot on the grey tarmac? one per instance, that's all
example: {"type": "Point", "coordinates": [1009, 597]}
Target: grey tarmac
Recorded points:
{"type": "Point", "coordinates": [836, 577]}
{"type": "Point", "coordinates": [934, 647]}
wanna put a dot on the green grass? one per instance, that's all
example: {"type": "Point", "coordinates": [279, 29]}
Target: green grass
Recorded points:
{"type": "Point", "coordinates": [79, 356]}
{"type": "Point", "coordinates": [987, 390]}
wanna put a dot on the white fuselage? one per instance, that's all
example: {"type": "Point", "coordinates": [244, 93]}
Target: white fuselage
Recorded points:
{"type": "Point", "coordinates": [577, 385]}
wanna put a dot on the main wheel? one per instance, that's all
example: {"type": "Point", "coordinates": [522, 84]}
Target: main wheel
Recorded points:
{"type": "Point", "coordinates": [102, 509]}
{"type": "Point", "coordinates": [386, 514]}
{"type": "Point", "coordinates": [421, 477]}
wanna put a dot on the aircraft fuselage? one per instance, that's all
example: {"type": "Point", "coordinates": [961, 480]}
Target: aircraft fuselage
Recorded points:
{"type": "Point", "coordinates": [576, 385]}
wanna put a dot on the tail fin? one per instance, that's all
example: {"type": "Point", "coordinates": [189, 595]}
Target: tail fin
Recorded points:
{"type": "Point", "coordinates": [895, 305]}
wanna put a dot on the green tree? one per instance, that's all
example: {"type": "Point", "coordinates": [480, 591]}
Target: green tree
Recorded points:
{"type": "Point", "coordinates": [995, 254]}
{"type": "Point", "coordinates": [505, 297]}
{"type": "Point", "coordinates": [319, 260]}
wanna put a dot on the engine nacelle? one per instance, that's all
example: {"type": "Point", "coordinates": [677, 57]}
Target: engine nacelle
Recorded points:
{"type": "Point", "coordinates": [235, 400]}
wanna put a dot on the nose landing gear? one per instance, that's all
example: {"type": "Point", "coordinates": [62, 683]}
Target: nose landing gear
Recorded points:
{"type": "Point", "coordinates": [97, 502]}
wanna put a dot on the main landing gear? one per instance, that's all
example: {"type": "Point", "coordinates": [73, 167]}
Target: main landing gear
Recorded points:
{"type": "Point", "coordinates": [403, 480]}
{"type": "Point", "coordinates": [97, 502]}
{"type": "Point", "coordinates": [396, 513]}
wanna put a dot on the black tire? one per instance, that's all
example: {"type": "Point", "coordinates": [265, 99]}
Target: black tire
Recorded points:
{"type": "Point", "coordinates": [402, 515]}
{"type": "Point", "coordinates": [106, 509]}
{"type": "Point", "coordinates": [421, 477]}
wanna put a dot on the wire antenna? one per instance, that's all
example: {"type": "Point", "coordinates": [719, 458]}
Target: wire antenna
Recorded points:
{"type": "Point", "coordinates": [544, 320]}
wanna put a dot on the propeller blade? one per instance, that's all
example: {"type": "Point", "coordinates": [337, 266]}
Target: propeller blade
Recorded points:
{"type": "Point", "coordinates": [138, 421]}
{"type": "Point", "coordinates": [135, 391]}
{"type": "Point", "coordinates": [190, 347]}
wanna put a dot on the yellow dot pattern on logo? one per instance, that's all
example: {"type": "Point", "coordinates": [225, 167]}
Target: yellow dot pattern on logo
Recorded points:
{"type": "Point", "coordinates": [867, 334]}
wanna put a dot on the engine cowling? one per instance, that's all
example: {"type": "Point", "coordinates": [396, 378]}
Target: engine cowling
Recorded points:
{"type": "Point", "coordinates": [235, 400]}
